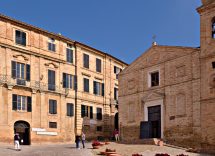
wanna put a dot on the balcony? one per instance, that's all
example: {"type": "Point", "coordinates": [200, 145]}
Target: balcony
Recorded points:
{"type": "Point", "coordinates": [37, 85]}
{"type": "Point", "coordinates": [21, 82]}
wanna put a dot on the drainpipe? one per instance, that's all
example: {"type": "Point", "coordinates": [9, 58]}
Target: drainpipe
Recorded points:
{"type": "Point", "coordinates": [76, 87]}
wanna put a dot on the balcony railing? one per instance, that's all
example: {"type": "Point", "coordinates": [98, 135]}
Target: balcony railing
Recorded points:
{"type": "Point", "coordinates": [6, 79]}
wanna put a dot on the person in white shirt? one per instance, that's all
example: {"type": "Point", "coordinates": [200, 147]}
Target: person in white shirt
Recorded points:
{"type": "Point", "coordinates": [83, 139]}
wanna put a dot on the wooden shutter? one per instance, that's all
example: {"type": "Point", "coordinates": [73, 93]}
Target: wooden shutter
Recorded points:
{"type": "Point", "coordinates": [28, 72]}
{"type": "Point", "coordinates": [14, 102]}
{"type": "Point", "coordinates": [91, 112]}
{"type": "Point", "coordinates": [29, 104]}
{"type": "Point", "coordinates": [55, 106]}
{"type": "Point", "coordinates": [75, 82]}
{"type": "Point", "coordinates": [72, 109]}
{"type": "Point", "coordinates": [13, 72]}
{"type": "Point", "coordinates": [23, 35]}
{"type": "Point", "coordinates": [98, 65]}
{"type": "Point", "coordinates": [103, 89]}
{"type": "Point", "coordinates": [82, 111]}
{"type": "Point", "coordinates": [50, 107]}
{"type": "Point", "coordinates": [115, 69]}
{"type": "Point", "coordinates": [94, 87]}
{"type": "Point", "coordinates": [64, 80]}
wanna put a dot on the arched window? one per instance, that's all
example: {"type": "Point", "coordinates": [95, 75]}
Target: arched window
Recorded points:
{"type": "Point", "coordinates": [213, 28]}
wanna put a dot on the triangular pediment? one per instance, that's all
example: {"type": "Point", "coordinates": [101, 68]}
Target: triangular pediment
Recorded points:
{"type": "Point", "coordinates": [157, 54]}
{"type": "Point", "coordinates": [155, 95]}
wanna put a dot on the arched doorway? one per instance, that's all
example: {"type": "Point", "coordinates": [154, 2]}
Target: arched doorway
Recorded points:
{"type": "Point", "coordinates": [116, 121]}
{"type": "Point", "coordinates": [23, 128]}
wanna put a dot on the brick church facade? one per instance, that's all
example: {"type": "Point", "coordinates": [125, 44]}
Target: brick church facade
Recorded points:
{"type": "Point", "coordinates": [169, 91]}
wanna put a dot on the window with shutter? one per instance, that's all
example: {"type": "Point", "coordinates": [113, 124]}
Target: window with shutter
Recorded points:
{"type": "Point", "coordinates": [98, 65]}
{"type": "Point", "coordinates": [51, 44]}
{"type": "Point", "coordinates": [115, 93]}
{"type": "Point", "coordinates": [99, 114]}
{"type": "Point", "coordinates": [86, 61]}
{"type": "Point", "coordinates": [21, 72]}
{"type": "Point", "coordinates": [21, 103]}
{"type": "Point", "coordinates": [86, 85]}
{"type": "Point", "coordinates": [20, 37]}
{"type": "Point", "coordinates": [84, 111]}
{"type": "Point", "coordinates": [51, 80]}
{"type": "Point", "coordinates": [70, 109]}
{"type": "Point", "coordinates": [68, 80]}
{"type": "Point", "coordinates": [117, 70]}
{"type": "Point", "coordinates": [69, 55]}
{"type": "Point", "coordinates": [52, 107]}
{"type": "Point", "coordinates": [98, 88]}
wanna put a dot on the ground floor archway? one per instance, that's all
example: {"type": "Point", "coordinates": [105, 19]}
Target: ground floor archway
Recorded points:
{"type": "Point", "coordinates": [23, 128]}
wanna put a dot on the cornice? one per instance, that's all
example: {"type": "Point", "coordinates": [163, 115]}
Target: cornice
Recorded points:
{"type": "Point", "coordinates": [206, 7]}
{"type": "Point", "coordinates": [32, 53]}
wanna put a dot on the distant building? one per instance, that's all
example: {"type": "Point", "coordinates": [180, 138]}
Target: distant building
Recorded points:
{"type": "Point", "coordinates": [169, 91]}
{"type": "Point", "coordinates": [52, 88]}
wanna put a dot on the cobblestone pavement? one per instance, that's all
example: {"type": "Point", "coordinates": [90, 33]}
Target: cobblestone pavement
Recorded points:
{"type": "Point", "coordinates": [46, 150]}
{"type": "Point", "coordinates": [145, 150]}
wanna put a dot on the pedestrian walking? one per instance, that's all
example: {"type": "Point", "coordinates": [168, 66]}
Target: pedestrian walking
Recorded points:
{"type": "Point", "coordinates": [116, 134]}
{"type": "Point", "coordinates": [77, 141]}
{"type": "Point", "coordinates": [83, 137]}
{"type": "Point", "coordinates": [16, 142]}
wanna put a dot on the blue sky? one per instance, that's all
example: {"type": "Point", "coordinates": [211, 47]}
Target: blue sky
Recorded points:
{"type": "Point", "coordinates": [122, 28]}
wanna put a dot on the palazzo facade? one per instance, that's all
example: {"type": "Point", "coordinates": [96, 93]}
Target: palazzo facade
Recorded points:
{"type": "Point", "coordinates": [52, 88]}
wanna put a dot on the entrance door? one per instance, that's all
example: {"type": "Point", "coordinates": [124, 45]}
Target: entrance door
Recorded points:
{"type": "Point", "coordinates": [152, 127]}
{"type": "Point", "coordinates": [154, 117]}
{"type": "Point", "coordinates": [23, 129]}
{"type": "Point", "coordinates": [116, 121]}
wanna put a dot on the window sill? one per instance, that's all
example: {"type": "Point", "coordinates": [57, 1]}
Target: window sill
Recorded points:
{"type": "Point", "coordinates": [20, 45]}
{"type": "Point", "coordinates": [21, 111]}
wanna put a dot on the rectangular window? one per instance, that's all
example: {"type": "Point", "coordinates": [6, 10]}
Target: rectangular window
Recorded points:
{"type": "Point", "coordinates": [213, 65]}
{"type": "Point", "coordinates": [155, 79]}
{"type": "Point", "coordinates": [52, 106]}
{"type": "Point", "coordinates": [69, 53]}
{"type": "Point", "coordinates": [70, 109]}
{"type": "Point", "coordinates": [98, 65]}
{"type": "Point", "coordinates": [91, 112]}
{"type": "Point", "coordinates": [68, 81]}
{"type": "Point", "coordinates": [84, 111]}
{"type": "Point", "coordinates": [20, 38]}
{"type": "Point", "coordinates": [98, 88]}
{"type": "Point", "coordinates": [52, 124]}
{"type": "Point", "coordinates": [21, 72]}
{"type": "Point", "coordinates": [51, 80]}
{"type": "Point", "coordinates": [117, 70]}
{"type": "Point", "coordinates": [21, 103]}
{"type": "Point", "coordinates": [115, 93]}
{"type": "Point", "coordinates": [86, 85]}
{"type": "Point", "coordinates": [99, 128]}
{"type": "Point", "coordinates": [99, 113]}
{"type": "Point", "coordinates": [86, 61]}
{"type": "Point", "coordinates": [51, 44]}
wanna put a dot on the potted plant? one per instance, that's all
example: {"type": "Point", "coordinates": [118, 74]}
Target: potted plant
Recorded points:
{"type": "Point", "coordinates": [95, 144]}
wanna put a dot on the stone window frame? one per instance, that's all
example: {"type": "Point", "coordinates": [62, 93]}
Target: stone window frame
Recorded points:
{"type": "Point", "coordinates": [14, 37]}
{"type": "Point", "coordinates": [149, 77]}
